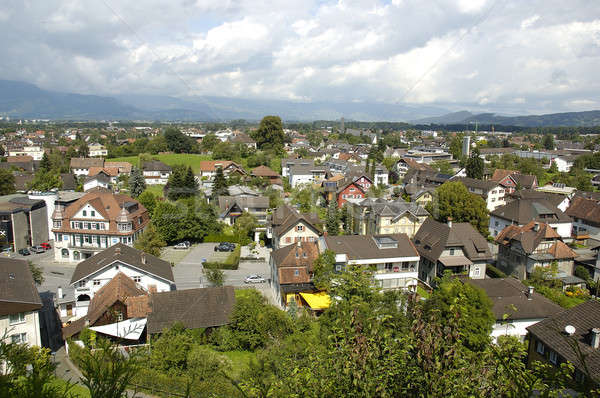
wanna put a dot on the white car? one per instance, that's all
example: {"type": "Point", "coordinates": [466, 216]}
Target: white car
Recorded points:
{"type": "Point", "coordinates": [182, 245]}
{"type": "Point", "coordinates": [254, 279]}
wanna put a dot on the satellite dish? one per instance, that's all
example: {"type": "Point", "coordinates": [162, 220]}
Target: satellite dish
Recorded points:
{"type": "Point", "coordinates": [570, 330]}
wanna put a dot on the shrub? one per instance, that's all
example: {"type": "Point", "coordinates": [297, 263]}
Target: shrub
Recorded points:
{"type": "Point", "coordinates": [216, 238]}
{"type": "Point", "coordinates": [231, 262]}
{"type": "Point", "coordinates": [494, 272]}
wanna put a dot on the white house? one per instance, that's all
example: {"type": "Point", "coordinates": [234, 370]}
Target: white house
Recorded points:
{"type": "Point", "coordinates": [97, 150]}
{"type": "Point", "coordinates": [19, 303]}
{"type": "Point", "coordinates": [307, 175]}
{"type": "Point", "coordinates": [156, 172]}
{"type": "Point", "coordinates": [148, 272]}
{"type": "Point", "coordinates": [393, 257]}
{"type": "Point", "coordinates": [100, 180]}
{"type": "Point", "coordinates": [81, 166]}
{"type": "Point", "coordinates": [35, 152]}
{"type": "Point", "coordinates": [492, 192]}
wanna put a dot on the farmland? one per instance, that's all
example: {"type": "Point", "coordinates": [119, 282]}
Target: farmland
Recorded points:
{"type": "Point", "coordinates": [170, 159]}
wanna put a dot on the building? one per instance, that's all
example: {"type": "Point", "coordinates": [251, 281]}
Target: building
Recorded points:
{"type": "Point", "coordinates": [292, 272]}
{"type": "Point", "coordinates": [585, 214]}
{"type": "Point", "coordinates": [94, 222]}
{"type": "Point", "coordinates": [97, 150]}
{"type": "Point", "coordinates": [36, 152]}
{"type": "Point", "coordinates": [156, 172]}
{"type": "Point", "coordinates": [149, 273]}
{"type": "Point", "coordinates": [557, 188]}
{"type": "Point", "coordinates": [122, 167]}
{"type": "Point", "coordinates": [268, 174]}
{"type": "Point", "coordinates": [300, 174]}
{"type": "Point", "coordinates": [393, 257]}
{"type": "Point", "coordinates": [563, 162]}
{"type": "Point", "coordinates": [564, 336]}
{"type": "Point", "coordinates": [427, 155]}
{"type": "Point", "coordinates": [466, 146]}
{"type": "Point", "coordinates": [349, 191]}
{"type": "Point", "coordinates": [208, 168]}
{"type": "Point", "coordinates": [242, 139]}
{"type": "Point", "coordinates": [287, 226]}
{"type": "Point", "coordinates": [521, 211]}
{"type": "Point", "coordinates": [380, 175]}
{"type": "Point", "coordinates": [99, 180]}
{"type": "Point", "coordinates": [454, 247]}
{"type": "Point", "coordinates": [402, 166]}
{"type": "Point", "coordinates": [490, 191]}
{"type": "Point", "coordinates": [19, 303]}
{"type": "Point", "coordinates": [515, 306]}
{"type": "Point", "coordinates": [23, 222]}
{"type": "Point", "coordinates": [232, 207]}
{"type": "Point", "coordinates": [521, 249]}
{"type": "Point", "coordinates": [288, 163]}
{"type": "Point", "coordinates": [561, 201]}
{"type": "Point", "coordinates": [378, 216]}
{"type": "Point", "coordinates": [54, 198]}
{"type": "Point", "coordinates": [512, 180]}
{"type": "Point", "coordinates": [81, 166]}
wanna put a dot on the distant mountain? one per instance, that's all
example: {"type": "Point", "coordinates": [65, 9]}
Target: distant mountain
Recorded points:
{"type": "Point", "coordinates": [450, 118]}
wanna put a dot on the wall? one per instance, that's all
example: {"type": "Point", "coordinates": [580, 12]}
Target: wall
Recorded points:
{"type": "Point", "coordinates": [50, 198]}
{"type": "Point", "coordinates": [516, 328]}
{"type": "Point", "coordinates": [20, 224]}
{"type": "Point", "coordinates": [293, 234]}
{"type": "Point", "coordinates": [39, 225]}
{"type": "Point", "coordinates": [31, 326]}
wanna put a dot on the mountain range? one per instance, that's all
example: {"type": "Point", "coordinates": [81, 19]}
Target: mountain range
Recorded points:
{"type": "Point", "coordinates": [20, 100]}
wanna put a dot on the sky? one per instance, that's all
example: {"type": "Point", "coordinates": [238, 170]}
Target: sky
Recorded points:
{"type": "Point", "coordinates": [515, 57]}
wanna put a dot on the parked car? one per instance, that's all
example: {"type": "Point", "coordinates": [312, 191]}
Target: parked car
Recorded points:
{"type": "Point", "coordinates": [46, 246]}
{"type": "Point", "coordinates": [37, 249]}
{"type": "Point", "coordinates": [24, 252]}
{"type": "Point", "coordinates": [225, 247]}
{"type": "Point", "coordinates": [254, 279]}
{"type": "Point", "coordinates": [182, 245]}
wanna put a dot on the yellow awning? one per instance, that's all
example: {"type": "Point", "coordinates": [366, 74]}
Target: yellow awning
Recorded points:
{"type": "Point", "coordinates": [290, 297]}
{"type": "Point", "coordinates": [317, 301]}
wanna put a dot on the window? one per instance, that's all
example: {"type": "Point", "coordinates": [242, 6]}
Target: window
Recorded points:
{"type": "Point", "coordinates": [81, 283]}
{"type": "Point", "coordinates": [476, 271]}
{"type": "Point", "coordinates": [19, 338]}
{"type": "Point", "coordinates": [300, 228]}
{"type": "Point", "coordinates": [16, 318]}
{"type": "Point", "coordinates": [65, 253]}
{"type": "Point", "coordinates": [495, 223]}
{"type": "Point", "coordinates": [93, 213]}
{"type": "Point", "coordinates": [84, 213]}
{"type": "Point", "coordinates": [137, 279]}
{"type": "Point", "coordinates": [553, 357]}
{"type": "Point", "coordinates": [119, 316]}
{"type": "Point", "coordinates": [139, 220]}
{"type": "Point", "coordinates": [96, 282]}
{"type": "Point", "coordinates": [296, 272]}
{"type": "Point", "coordinates": [539, 347]}
{"type": "Point", "coordinates": [338, 267]}
{"type": "Point", "coordinates": [452, 252]}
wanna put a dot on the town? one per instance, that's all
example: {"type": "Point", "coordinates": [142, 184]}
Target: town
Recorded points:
{"type": "Point", "coordinates": [333, 258]}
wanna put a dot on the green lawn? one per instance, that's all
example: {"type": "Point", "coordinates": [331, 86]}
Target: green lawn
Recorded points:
{"type": "Point", "coordinates": [157, 190]}
{"type": "Point", "coordinates": [239, 361]}
{"type": "Point", "coordinates": [77, 390]}
{"type": "Point", "coordinates": [422, 292]}
{"type": "Point", "coordinates": [171, 159]}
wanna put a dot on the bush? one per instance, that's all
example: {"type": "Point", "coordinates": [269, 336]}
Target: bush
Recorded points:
{"type": "Point", "coordinates": [231, 262]}
{"type": "Point", "coordinates": [217, 238]}
{"type": "Point", "coordinates": [494, 272]}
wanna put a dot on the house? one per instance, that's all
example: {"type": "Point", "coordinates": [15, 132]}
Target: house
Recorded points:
{"type": "Point", "coordinates": [563, 162]}
{"type": "Point", "coordinates": [287, 226]}
{"type": "Point", "coordinates": [242, 139]}
{"type": "Point", "coordinates": [268, 174]}
{"type": "Point", "coordinates": [585, 214]}
{"type": "Point", "coordinates": [232, 207]}
{"type": "Point", "coordinates": [300, 174]}
{"type": "Point", "coordinates": [94, 222]}
{"type": "Point", "coordinates": [393, 257]}
{"type": "Point", "coordinates": [349, 191]}
{"type": "Point", "coordinates": [561, 201]}
{"type": "Point", "coordinates": [374, 216]}
{"type": "Point", "coordinates": [490, 191]}
{"type": "Point", "coordinates": [81, 166]}
{"type": "Point", "coordinates": [455, 247]}
{"type": "Point", "coordinates": [19, 303]}
{"type": "Point", "coordinates": [427, 155]}
{"type": "Point", "coordinates": [571, 336]}
{"type": "Point", "coordinates": [150, 274]}
{"type": "Point", "coordinates": [156, 172]}
{"type": "Point", "coordinates": [111, 172]}
{"type": "Point", "coordinates": [208, 168]}
{"type": "Point", "coordinates": [558, 188]}
{"type": "Point", "coordinates": [36, 152]}
{"type": "Point", "coordinates": [521, 249]}
{"type": "Point", "coordinates": [426, 178]}
{"type": "Point", "coordinates": [292, 271]}
{"type": "Point", "coordinates": [512, 180]}
{"type": "Point", "coordinates": [97, 150]}
{"type": "Point", "coordinates": [99, 180]}
{"type": "Point", "coordinates": [402, 166]}
{"type": "Point", "coordinates": [122, 167]}
{"type": "Point", "coordinates": [522, 211]}
{"type": "Point", "coordinates": [419, 194]}
{"type": "Point", "coordinates": [515, 306]}
{"type": "Point", "coordinates": [288, 163]}
{"type": "Point", "coordinates": [380, 175]}
{"type": "Point", "coordinates": [23, 222]}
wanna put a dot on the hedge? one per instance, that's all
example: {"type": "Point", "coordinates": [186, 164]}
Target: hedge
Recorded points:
{"type": "Point", "coordinates": [494, 272]}
{"type": "Point", "coordinates": [231, 262]}
{"type": "Point", "coordinates": [217, 238]}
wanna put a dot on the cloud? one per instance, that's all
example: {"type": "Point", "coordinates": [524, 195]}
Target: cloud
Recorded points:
{"type": "Point", "coordinates": [504, 55]}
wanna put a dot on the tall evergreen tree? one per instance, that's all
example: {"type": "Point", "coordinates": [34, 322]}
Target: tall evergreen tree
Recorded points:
{"type": "Point", "coordinates": [190, 182]}
{"type": "Point", "coordinates": [333, 220]}
{"type": "Point", "coordinates": [137, 183]}
{"type": "Point", "coordinates": [475, 165]}
{"type": "Point", "coordinates": [175, 185]}
{"type": "Point", "coordinates": [7, 182]}
{"type": "Point", "coordinates": [219, 185]}
{"type": "Point", "coordinates": [45, 164]}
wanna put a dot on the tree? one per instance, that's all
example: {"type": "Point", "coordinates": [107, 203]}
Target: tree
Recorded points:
{"type": "Point", "coordinates": [443, 166]}
{"type": "Point", "coordinates": [216, 277]}
{"type": "Point", "coordinates": [219, 187]}
{"type": "Point", "coordinates": [324, 269]}
{"type": "Point", "coordinates": [150, 241]}
{"type": "Point", "coordinates": [45, 165]}
{"type": "Point", "coordinates": [454, 200]}
{"type": "Point", "coordinates": [333, 221]}
{"type": "Point", "coordinates": [304, 197]}
{"type": "Point", "coordinates": [190, 183]}
{"type": "Point", "coordinates": [45, 181]}
{"type": "Point", "coordinates": [36, 272]}
{"type": "Point", "coordinates": [548, 141]}
{"type": "Point", "coordinates": [209, 142]}
{"type": "Point", "coordinates": [475, 165]}
{"type": "Point", "coordinates": [456, 147]}
{"type": "Point", "coordinates": [178, 142]}
{"type": "Point", "coordinates": [582, 272]}
{"type": "Point", "coordinates": [244, 225]}
{"type": "Point", "coordinates": [7, 182]}
{"type": "Point", "coordinates": [148, 200]}
{"type": "Point", "coordinates": [269, 134]}
{"type": "Point", "coordinates": [182, 183]}
{"type": "Point", "coordinates": [137, 183]}
{"type": "Point", "coordinates": [83, 151]}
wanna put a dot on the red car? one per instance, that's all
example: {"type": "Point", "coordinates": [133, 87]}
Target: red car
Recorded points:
{"type": "Point", "coordinates": [46, 246]}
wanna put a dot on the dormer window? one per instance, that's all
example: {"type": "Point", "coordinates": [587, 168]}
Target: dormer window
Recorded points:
{"type": "Point", "coordinates": [84, 213]}
{"type": "Point", "coordinates": [57, 224]}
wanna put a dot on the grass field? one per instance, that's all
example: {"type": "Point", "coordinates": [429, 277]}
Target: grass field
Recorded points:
{"type": "Point", "coordinates": [157, 190]}
{"type": "Point", "coordinates": [77, 390]}
{"type": "Point", "coordinates": [171, 159]}
{"type": "Point", "coordinates": [239, 361]}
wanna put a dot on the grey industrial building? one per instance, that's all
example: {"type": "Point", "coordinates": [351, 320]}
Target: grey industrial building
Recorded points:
{"type": "Point", "coordinates": [23, 222]}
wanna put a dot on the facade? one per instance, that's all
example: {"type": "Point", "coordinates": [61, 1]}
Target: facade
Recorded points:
{"type": "Point", "coordinates": [379, 216]}
{"type": "Point", "coordinates": [380, 175]}
{"type": "Point", "coordinates": [23, 222]}
{"type": "Point", "coordinates": [232, 207]}
{"type": "Point", "coordinates": [393, 257]}
{"type": "Point", "coordinates": [150, 274]}
{"type": "Point", "coordinates": [351, 192]}
{"type": "Point", "coordinates": [96, 221]}
{"type": "Point", "coordinates": [403, 165]}
{"type": "Point", "coordinates": [521, 211]}
{"type": "Point", "coordinates": [97, 150]}
{"type": "Point", "coordinates": [515, 306]}
{"type": "Point", "coordinates": [299, 175]}
{"type": "Point", "coordinates": [490, 191]}
{"type": "Point", "coordinates": [287, 226]}
{"type": "Point", "coordinates": [100, 180]}
{"type": "Point", "coordinates": [585, 214]}
{"type": "Point", "coordinates": [454, 247]}
{"type": "Point", "coordinates": [208, 168]}
{"type": "Point", "coordinates": [512, 180]}
{"type": "Point", "coordinates": [19, 303]}
{"type": "Point", "coordinates": [156, 172]}
{"type": "Point", "coordinates": [81, 166]}
{"type": "Point", "coordinates": [287, 164]}
{"type": "Point", "coordinates": [267, 174]}
{"type": "Point", "coordinates": [522, 249]}
{"type": "Point", "coordinates": [36, 152]}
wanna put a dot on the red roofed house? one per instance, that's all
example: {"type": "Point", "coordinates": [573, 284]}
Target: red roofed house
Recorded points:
{"type": "Point", "coordinates": [267, 173]}
{"type": "Point", "coordinates": [208, 168]}
{"type": "Point", "coordinates": [512, 180]}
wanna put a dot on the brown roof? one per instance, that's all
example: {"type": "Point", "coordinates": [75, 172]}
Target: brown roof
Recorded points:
{"type": "Point", "coordinates": [126, 255]}
{"type": "Point", "coordinates": [138, 306]}
{"type": "Point", "coordinates": [361, 247]}
{"type": "Point", "coordinates": [413, 164]}
{"type": "Point", "coordinates": [433, 237]}
{"type": "Point", "coordinates": [110, 171]}
{"type": "Point", "coordinates": [263, 171]}
{"type": "Point", "coordinates": [585, 209]}
{"type": "Point", "coordinates": [24, 158]}
{"type": "Point", "coordinates": [194, 308]}
{"type": "Point", "coordinates": [86, 163]}
{"type": "Point", "coordinates": [124, 167]}
{"type": "Point", "coordinates": [524, 210]}
{"type": "Point", "coordinates": [531, 235]}
{"type": "Point", "coordinates": [297, 257]}
{"type": "Point", "coordinates": [286, 217]}
{"type": "Point", "coordinates": [500, 174]}
{"type": "Point", "coordinates": [17, 288]}
{"type": "Point", "coordinates": [508, 292]}
{"type": "Point", "coordinates": [583, 318]}
{"type": "Point", "coordinates": [155, 165]}
{"type": "Point", "coordinates": [212, 165]}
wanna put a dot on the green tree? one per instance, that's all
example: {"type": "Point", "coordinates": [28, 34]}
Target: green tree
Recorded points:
{"type": "Point", "coordinates": [216, 277]}
{"type": "Point", "coordinates": [37, 273]}
{"type": "Point", "coordinates": [324, 269]}
{"type": "Point", "coordinates": [244, 225]}
{"type": "Point", "coordinates": [548, 141]}
{"type": "Point", "coordinates": [304, 197]}
{"type": "Point", "coordinates": [269, 134]}
{"type": "Point", "coordinates": [83, 151]}
{"type": "Point", "coordinates": [209, 142]}
{"type": "Point", "coordinates": [456, 146]}
{"type": "Point", "coordinates": [454, 200]}
{"type": "Point", "coordinates": [443, 166]}
{"type": "Point", "coordinates": [150, 241]}
{"type": "Point", "coordinates": [45, 164]}
{"type": "Point", "coordinates": [475, 165]}
{"type": "Point", "coordinates": [333, 220]}
{"type": "Point", "coordinates": [7, 182]}
{"type": "Point", "coordinates": [178, 142]}
{"type": "Point", "coordinates": [190, 182]}
{"type": "Point", "coordinates": [137, 183]}
{"type": "Point", "coordinates": [219, 187]}
{"type": "Point", "coordinates": [148, 200]}
{"type": "Point", "coordinates": [45, 181]}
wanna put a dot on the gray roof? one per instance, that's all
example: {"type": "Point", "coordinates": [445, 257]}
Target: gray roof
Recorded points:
{"type": "Point", "coordinates": [363, 247]}
{"type": "Point", "coordinates": [508, 292]}
{"type": "Point", "coordinates": [86, 163]}
{"type": "Point", "coordinates": [155, 165]}
{"type": "Point", "coordinates": [474, 183]}
{"type": "Point", "coordinates": [194, 308]}
{"type": "Point", "coordinates": [433, 237]}
{"type": "Point", "coordinates": [525, 210]}
{"type": "Point", "coordinates": [127, 255]}
{"type": "Point", "coordinates": [17, 288]}
{"type": "Point", "coordinates": [250, 202]}
{"type": "Point", "coordinates": [395, 208]}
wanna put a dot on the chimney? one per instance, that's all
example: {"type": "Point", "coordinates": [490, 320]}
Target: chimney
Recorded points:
{"type": "Point", "coordinates": [450, 222]}
{"type": "Point", "coordinates": [143, 258]}
{"type": "Point", "coordinates": [536, 227]}
{"type": "Point", "coordinates": [595, 338]}
{"type": "Point", "coordinates": [118, 251]}
{"type": "Point", "coordinates": [530, 290]}
{"type": "Point", "coordinates": [299, 243]}
{"type": "Point", "coordinates": [59, 292]}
